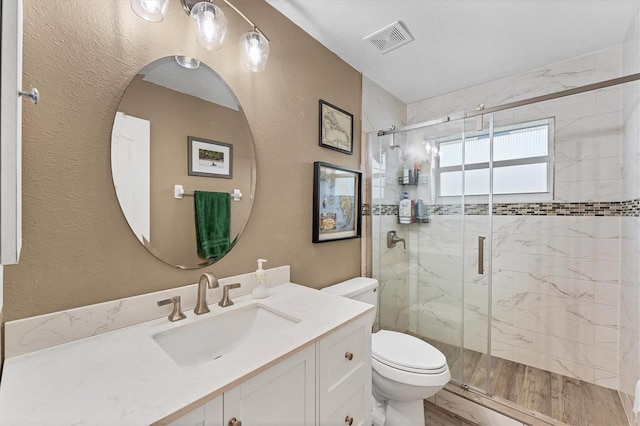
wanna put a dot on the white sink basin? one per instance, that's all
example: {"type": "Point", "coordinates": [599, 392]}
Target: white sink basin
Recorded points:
{"type": "Point", "coordinates": [210, 338]}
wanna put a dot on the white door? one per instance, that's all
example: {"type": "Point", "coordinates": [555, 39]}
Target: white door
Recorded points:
{"type": "Point", "coordinates": [131, 170]}
{"type": "Point", "coordinates": [11, 133]}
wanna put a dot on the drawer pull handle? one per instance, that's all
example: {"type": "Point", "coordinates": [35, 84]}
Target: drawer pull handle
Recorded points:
{"type": "Point", "coordinates": [348, 420]}
{"type": "Point", "coordinates": [235, 422]}
{"type": "Point", "coordinates": [348, 356]}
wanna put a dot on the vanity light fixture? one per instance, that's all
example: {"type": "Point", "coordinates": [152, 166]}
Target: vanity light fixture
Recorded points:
{"type": "Point", "coordinates": [150, 10]}
{"type": "Point", "coordinates": [211, 26]}
{"type": "Point", "coordinates": [210, 23]}
{"type": "Point", "coordinates": [255, 50]}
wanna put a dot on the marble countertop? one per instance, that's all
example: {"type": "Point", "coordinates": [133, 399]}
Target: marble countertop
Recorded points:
{"type": "Point", "coordinates": [124, 377]}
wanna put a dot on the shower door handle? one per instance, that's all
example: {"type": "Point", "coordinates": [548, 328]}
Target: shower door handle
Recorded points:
{"type": "Point", "coordinates": [481, 239]}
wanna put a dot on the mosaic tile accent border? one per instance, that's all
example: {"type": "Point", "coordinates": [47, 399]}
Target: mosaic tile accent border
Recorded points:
{"type": "Point", "coordinates": [630, 208]}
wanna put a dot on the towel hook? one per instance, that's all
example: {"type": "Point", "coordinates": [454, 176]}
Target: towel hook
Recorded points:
{"type": "Point", "coordinates": [33, 95]}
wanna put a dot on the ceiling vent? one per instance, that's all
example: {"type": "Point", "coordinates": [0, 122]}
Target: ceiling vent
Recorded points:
{"type": "Point", "coordinates": [390, 37]}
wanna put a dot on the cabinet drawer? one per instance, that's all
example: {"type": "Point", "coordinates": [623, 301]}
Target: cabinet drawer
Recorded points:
{"type": "Point", "coordinates": [355, 409]}
{"type": "Point", "coordinates": [344, 355]}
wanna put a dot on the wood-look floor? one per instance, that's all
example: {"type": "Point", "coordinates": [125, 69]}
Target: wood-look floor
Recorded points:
{"type": "Point", "coordinates": [565, 399]}
{"type": "Point", "coordinates": [436, 416]}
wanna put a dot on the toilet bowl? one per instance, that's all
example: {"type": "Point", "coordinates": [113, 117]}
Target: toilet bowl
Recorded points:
{"type": "Point", "coordinates": [406, 370]}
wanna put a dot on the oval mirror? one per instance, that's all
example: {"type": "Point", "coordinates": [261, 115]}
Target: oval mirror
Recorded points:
{"type": "Point", "coordinates": [179, 127]}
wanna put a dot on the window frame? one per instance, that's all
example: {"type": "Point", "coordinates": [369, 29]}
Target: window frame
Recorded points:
{"type": "Point", "coordinates": [547, 195]}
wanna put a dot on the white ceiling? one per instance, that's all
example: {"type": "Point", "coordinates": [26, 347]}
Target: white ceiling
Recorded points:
{"type": "Point", "coordinates": [202, 82]}
{"type": "Point", "coordinates": [459, 43]}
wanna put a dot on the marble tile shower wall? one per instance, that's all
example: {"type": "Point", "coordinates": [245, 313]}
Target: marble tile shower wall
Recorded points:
{"type": "Point", "coordinates": [629, 340]}
{"type": "Point", "coordinates": [380, 109]}
{"type": "Point", "coordinates": [555, 278]}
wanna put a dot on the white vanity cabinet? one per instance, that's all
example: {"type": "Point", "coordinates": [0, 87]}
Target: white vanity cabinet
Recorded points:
{"type": "Point", "coordinates": [209, 414]}
{"type": "Point", "coordinates": [344, 379]}
{"type": "Point", "coordinates": [282, 395]}
{"type": "Point", "coordinates": [313, 371]}
{"type": "Point", "coordinates": [326, 383]}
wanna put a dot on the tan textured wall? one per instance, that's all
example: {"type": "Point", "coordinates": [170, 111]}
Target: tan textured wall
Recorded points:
{"type": "Point", "coordinates": [81, 54]}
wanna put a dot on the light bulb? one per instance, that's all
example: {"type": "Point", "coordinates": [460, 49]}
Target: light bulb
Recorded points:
{"type": "Point", "coordinates": [255, 51]}
{"type": "Point", "coordinates": [210, 24]}
{"type": "Point", "coordinates": [187, 62]}
{"type": "Point", "coordinates": [150, 10]}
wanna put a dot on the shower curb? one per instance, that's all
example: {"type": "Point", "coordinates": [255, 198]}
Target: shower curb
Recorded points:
{"type": "Point", "coordinates": [504, 407]}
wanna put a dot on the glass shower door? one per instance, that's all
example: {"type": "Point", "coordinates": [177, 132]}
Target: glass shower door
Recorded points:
{"type": "Point", "coordinates": [462, 187]}
{"type": "Point", "coordinates": [436, 257]}
{"type": "Point", "coordinates": [477, 169]}
{"type": "Point", "coordinates": [431, 282]}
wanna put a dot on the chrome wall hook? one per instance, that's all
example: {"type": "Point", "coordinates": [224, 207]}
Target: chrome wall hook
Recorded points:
{"type": "Point", "coordinates": [33, 95]}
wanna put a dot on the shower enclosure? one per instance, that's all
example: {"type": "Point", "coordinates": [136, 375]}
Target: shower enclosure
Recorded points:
{"type": "Point", "coordinates": [522, 255]}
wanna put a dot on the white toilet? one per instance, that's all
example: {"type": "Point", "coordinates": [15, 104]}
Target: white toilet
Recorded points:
{"type": "Point", "coordinates": [406, 370]}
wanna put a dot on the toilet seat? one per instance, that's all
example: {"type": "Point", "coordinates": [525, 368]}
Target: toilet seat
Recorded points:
{"type": "Point", "coordinates": [407, 353]}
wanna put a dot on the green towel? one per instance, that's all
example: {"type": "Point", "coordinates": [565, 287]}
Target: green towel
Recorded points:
{"type": "Point", "coordinates": [213, 223]}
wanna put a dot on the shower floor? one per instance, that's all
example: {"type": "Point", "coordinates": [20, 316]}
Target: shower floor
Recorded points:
{"type": "Point", "coordinates": [565, 399]}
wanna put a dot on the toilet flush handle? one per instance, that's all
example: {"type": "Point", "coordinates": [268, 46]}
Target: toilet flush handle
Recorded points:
{"type": "Point", "coordinates": [348, 356]}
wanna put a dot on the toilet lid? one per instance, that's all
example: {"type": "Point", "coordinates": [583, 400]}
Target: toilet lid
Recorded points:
{"type": "Point", "coordinates": [407, 353]}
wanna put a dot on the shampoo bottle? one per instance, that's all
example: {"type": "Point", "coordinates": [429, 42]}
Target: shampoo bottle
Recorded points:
{"type": "Point", "coordinates": [405, 174]}
{"type": "Point", "coordinates": [404, 209]}
{"type": "Point", "coordinates": [260, 292]}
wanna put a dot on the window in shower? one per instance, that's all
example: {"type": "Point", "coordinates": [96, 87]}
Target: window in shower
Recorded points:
{"type": "Point", "coordinates": [522, 161]}
{"type": "Point", "coordinates": [378, 176]}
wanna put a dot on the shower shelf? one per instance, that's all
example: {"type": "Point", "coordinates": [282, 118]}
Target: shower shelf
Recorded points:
{"type": "Point", "coordinates": [400, 182]}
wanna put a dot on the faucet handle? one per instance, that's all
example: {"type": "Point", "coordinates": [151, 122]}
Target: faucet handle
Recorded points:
{"type": "Point", "coordinates": [176, 313]}
{"type": "Point", "coordinates": [226, 301]}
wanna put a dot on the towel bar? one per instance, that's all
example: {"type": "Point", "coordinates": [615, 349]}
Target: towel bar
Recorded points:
{"type": "Point", "coordinates": [178, 193]}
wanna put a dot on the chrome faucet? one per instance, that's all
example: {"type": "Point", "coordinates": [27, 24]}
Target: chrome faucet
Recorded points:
{"type": "Point", "coordinates": [226, 301]}
{"type": "Point", "coordinates": [206, 280]}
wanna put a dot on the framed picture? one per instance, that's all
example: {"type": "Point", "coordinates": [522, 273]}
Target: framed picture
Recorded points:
{"type": "Point", "coordinates": [337, 202]}
{"type": "Point", "coordinates": [336, 128]}
{"type": "Point", "coordinates": [210, 158]}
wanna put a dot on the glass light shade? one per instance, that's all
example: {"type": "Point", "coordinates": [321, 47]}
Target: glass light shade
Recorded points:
{"type": "Point", "coordinates": [187, 62]}
{"type": "Point", "coordinates": [150, 10]}
{"type": "Point", "coordinates": [211, 25]}
{"type": "Point", "coordinates": [255, 51]}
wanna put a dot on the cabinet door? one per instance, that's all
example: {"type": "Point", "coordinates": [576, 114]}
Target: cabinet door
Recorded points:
{"type": "Point", "coordinates": [10, 132]}
{"type": "Point", "coordinates": [282, 395]}
{"type": "Point", "coordinates": [192, 418]}
{"type": "Point", "coordinates": [209, 414]}
{"type": "Point", "coordinates": [213, 412]}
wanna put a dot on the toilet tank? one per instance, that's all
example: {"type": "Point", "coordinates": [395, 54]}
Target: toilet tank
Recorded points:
{"type": "Point", "coordinates": [362, 289]}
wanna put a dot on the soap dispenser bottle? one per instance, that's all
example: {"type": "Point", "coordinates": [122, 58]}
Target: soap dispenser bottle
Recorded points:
{"type": "Point", "coordinates": [260, 291]}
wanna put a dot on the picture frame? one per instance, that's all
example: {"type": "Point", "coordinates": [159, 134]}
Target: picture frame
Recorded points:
{"type": "Point", "coordinates": [335, 128]}
{"type": "Point", "coordinates": [209, 158]}
{"type": "Point", "coordinates": [337, 202]}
